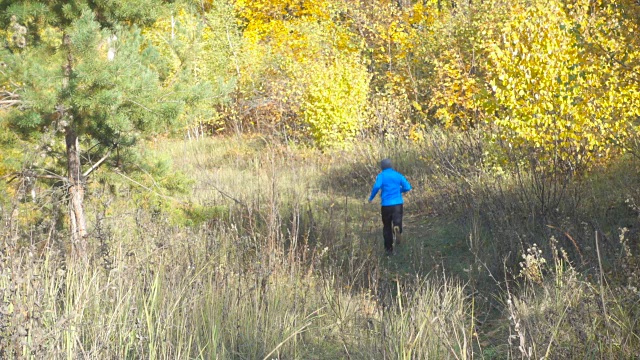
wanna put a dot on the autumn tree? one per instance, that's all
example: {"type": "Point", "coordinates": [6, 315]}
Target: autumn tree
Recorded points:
{"type": "Point", "coordinates": [395, 38]}
{"type": "Point", "coordinates": [550, 93]}
{"type": "Point", "coordinates": [199, 42]}
{"type": "Point", "coordinates": [301, 71]}
{"type": "Point", "coordinates": [80, 78]}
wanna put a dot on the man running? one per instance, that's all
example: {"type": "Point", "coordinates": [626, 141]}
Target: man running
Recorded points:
{"type": "Point", "coordinates": [393, 184]}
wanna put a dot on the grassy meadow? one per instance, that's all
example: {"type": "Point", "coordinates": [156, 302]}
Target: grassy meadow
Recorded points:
{"type": "Point", "coordinates": [267, 250]}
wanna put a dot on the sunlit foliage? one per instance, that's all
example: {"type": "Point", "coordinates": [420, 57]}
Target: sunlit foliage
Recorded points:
{"type": "Point", "coordinates": [550, 93]}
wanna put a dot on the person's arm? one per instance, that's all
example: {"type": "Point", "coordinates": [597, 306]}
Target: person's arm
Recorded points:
{"type": "Point", "coordinates": [405, 186]}
{"type": "Point", "coordinates": [376, 188]}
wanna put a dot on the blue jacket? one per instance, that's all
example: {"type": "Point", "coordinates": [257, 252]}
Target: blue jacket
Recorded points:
{"type": "Point", "coordinates": [393, 185]}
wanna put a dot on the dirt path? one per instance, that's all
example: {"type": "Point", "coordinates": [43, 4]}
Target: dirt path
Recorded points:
{"type": "Point", "coordinates": [438, 247]}
{"type": "Point", "coordinates": [430, 246]}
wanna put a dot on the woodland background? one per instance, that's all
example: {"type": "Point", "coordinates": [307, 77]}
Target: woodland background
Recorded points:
{"type": "Point", "coordinates": [186, 179]}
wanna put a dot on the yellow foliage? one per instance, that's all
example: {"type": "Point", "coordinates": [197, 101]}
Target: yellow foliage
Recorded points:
{"type": "Point", "coordinates": [183, 27]}
{"type": "Point", "coordinates": [273, 20]}
{"type": "Point", "coordinates": [335, 100]}
{"type": "Point", "coordinates": [555, 80]}
{"type": "Point", "coordinates": [257, 12]}
{"type": "Point", "coordinates": [455, 91]}
{"type": "Point", "coordinates": [416, 133]}
{"type": "Point", "coordinates": [394, 36]}
{"type": "Point", "coordinates": [305, 67]}
{"type": "Point", "coordinates": [551, 94]}
{"type": "Point", "coordinates": [51, 36]}
{"type": "Point", "coordinates": [192, 46]}
{"type": "Point", "coordinates": [10, 154]}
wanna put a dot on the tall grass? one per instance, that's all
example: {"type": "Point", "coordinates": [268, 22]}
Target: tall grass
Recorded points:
{"type": "Point", "coordinates": [562, 314]}
{"type": "Point", "coordinates": [185, 300]}
{"type": "Point", "coordinates": [289, 268]}
{"type": "Point", "coordinates": [274, 254]}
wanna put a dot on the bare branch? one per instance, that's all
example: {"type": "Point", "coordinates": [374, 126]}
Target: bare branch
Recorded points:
{"type": "Point", "coordinates": [10, 177]}
{"type": "Point", "coordinates": [140, 105]}
{"type": "Point", "coordinates": [6, 94]}
{"type": "Point", "coordinates": [54, 177]}
{"type": "Point", "coordinates": [9, 99]}
{"type": "Point", "coordinates": [97, 164]}
{"type": "Point", "coordinates": [31, 174]}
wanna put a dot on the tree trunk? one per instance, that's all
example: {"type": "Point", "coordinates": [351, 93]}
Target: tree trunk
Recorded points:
{"type": "Point", "coordinates": [76, 194]}
{"type": "Point", "coordinates": [76, 180]}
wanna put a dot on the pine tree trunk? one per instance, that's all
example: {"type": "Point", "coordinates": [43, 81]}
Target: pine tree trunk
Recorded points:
{"type": "Point", "coordinates": [76, 194]}
{"type": "Point", "coordinates": [76, 181]}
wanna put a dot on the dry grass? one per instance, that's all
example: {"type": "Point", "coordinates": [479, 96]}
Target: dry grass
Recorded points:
{"type": "Point", "coordinates": [216, 294]}
{"type": "Point", "coordinates": [273, 254]}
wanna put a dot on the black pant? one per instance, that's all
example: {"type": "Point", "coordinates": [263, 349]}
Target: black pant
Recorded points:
{"type": "Point", "coordinates": [391, 216]}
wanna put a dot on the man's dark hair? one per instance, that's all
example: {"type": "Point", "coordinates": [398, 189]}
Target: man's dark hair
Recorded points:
{"type": "Point", "coordinates": [385, 164]}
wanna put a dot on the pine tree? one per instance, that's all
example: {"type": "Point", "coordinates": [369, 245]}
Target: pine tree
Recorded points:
{"type": "Point", "coordinates": [83, 73]}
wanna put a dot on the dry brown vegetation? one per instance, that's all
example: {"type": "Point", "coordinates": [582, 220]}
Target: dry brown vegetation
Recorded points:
{"type": "Point", "coordinates": [271, 253]}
